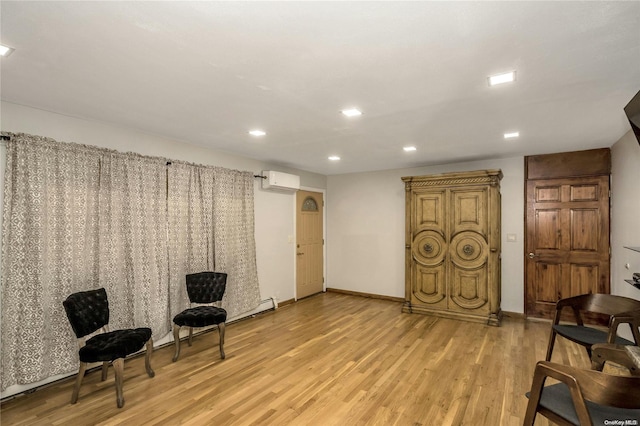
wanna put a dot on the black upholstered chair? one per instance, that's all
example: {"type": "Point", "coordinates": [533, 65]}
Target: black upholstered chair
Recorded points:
{"type": "Point", "coordinates": [621, 310]}
{"type": "Point", "coordinates": [586, 397]}
{"type": "Point", "coordinates": [202, 288]}
{"type": "Point", "coordinates": [88, 312]}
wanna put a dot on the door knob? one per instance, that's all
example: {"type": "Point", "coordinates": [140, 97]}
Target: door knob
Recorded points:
{"type": "Point", "coordinates": [532, 255]}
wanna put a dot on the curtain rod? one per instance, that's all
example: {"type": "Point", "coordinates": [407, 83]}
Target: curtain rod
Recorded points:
{"type": "Point", "coordinates": [259, 176]}
{"type": "Point", "coordinates": [27, 137]}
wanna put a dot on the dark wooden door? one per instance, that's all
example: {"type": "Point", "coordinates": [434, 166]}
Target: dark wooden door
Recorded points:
{"type": "Point", "coordinates": [567, 242]}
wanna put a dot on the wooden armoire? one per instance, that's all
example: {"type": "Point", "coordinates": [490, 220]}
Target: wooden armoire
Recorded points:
{"type": "Point", "coordinates": [452, 245]}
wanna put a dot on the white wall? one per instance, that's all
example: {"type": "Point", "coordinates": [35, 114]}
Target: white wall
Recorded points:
{"type": "Point", "coordinates": [625, 214]}
{"type": "Point", "coordinates": [365, 229]}
{"type": "Point", "coordinates": [274, 216]}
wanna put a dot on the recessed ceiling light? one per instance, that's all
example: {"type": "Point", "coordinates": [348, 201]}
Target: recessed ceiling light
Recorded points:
{"type": "Point", "coordinates": [334, 158]}
{"type": "Point", "coordinates": [507, 77]}
{"type": "Point", "coordinates": [257, 132]}
{"type": "Point", "coordinates": [351, 112]}
{"type": "Point", "coordinates": [511, 135]}
{"type": "Point", "coordinates": [5, 50]}
{"type": "Point", "coordinates": [409, 148]}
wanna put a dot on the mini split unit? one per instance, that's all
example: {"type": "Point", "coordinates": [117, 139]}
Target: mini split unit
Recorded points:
{"type": "Point", "coordinates": [280, 181]}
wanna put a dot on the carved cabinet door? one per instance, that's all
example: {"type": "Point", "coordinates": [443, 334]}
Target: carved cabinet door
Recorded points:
{"type": "Point", "coordinates": [469, 250]}
{"type": "Point", "coordinates": [453, 245]}
{"type": "Point", "coordinates": [429, 248]}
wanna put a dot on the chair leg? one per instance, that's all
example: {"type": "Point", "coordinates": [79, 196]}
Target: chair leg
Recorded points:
{"type": "Point", "coordinates": [105, 369]}
{"type": "Point", "coordinates": [147, 358]}
{"type": "Point", "coordinates": [118, 366]}
{"type": "Point", "coordinates": [190, 335]}
{"type": "Point", "coordinates": [221, 328]}
{"type": "Point", "coordinates": [176, 341]}
{"type": "Point", "coordinates": [76, 388]}
{"type": "Point", "coordinates": [552, 341]}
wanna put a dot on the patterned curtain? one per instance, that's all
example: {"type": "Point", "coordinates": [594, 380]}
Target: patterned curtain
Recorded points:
{"type": "Point", "coordinates": [235, 248]}
{"type": "Point", "coordinates": [49, 250]}
{"type": "Point", "coordinates": [77, 217]}
{"type": "Point", "coordinates": [211, 219]}
{"type": "Point", "coordinates": [133, 241]}
{"type": "Point", "coordinates": [190, 211]}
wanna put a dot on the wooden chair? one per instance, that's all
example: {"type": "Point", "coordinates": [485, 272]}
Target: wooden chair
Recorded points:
{"type": "Point", "coordinates": [620, 309]}
{"type": "Point", "coordinates": [202, 288]}
{"type": "Point", "coordinates": [88, 312]}
{"type": "Point", "coordinates": [586, 397]}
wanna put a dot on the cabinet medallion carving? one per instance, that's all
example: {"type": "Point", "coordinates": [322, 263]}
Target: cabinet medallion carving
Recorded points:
{"type": "Point", "coordinates": [428, 248]}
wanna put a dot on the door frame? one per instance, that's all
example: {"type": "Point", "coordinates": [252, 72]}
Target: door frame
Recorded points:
{"type": "Point", "coordinates": [324, 237]}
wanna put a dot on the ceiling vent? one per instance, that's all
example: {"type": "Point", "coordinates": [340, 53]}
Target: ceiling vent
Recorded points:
{"type": "Point", "coordinates": [280, 181]}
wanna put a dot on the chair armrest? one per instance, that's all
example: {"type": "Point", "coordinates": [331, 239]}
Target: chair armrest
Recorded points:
{"type": "Point", "coordinates": [564, 374]}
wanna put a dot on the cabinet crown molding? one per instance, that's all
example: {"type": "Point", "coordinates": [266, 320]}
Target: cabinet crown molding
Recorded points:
{"type": "Point", "coordinates": [491, 177]}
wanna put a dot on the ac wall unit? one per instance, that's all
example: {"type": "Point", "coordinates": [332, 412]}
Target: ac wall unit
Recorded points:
{"type": "Point", "coordinates": [280, 181]}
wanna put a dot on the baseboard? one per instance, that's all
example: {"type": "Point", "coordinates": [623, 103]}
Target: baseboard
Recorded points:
{"type": "Point", "coordinates": [523, 316]}
{"type": "Point", "coordinates": [547, 320]}
{"type": "Point", "coordinates": [516, 315]}
{"type": "Point", "coordinates": [369, 295]}
{"type": "Point", "coordinates": [286, 302]}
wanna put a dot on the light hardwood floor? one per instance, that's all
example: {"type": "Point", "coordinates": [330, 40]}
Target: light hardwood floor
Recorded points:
{"type": "Point", "coordinates": [331, 359]}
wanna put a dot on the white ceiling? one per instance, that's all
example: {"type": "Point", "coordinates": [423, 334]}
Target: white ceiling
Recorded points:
{"type": "Point", "coordinates": [208, 72]}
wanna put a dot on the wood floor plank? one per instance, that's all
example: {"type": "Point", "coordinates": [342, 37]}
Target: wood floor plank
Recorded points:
{"type": "Point", "coordinates": [331, 359]}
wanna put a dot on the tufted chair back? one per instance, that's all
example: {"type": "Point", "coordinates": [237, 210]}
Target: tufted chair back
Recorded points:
{"type": "Point", "coordinates": [206, 287]}
{"type": "Point", "coordinates": [87, 311]}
